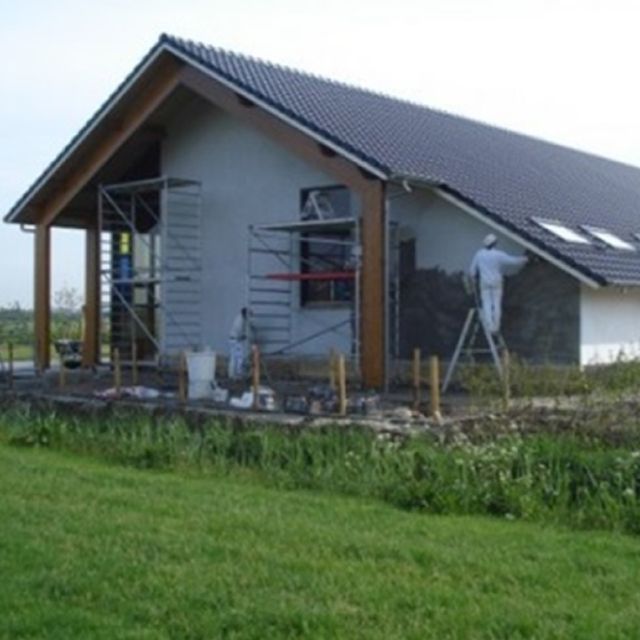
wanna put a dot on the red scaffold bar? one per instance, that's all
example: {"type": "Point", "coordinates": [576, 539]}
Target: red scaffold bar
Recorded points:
{"type": "Point", "coordinates": [317, 275]}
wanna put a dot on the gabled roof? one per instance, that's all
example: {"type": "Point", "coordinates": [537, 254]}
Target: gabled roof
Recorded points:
{"type": "Point", "coordinates": [510, 178]}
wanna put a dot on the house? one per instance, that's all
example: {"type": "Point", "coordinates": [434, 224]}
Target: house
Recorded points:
{"type": "Point", "coordinates": [344, 218]}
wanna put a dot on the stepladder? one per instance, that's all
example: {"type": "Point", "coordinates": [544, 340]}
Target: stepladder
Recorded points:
{"type": "Point", "coordinates": [469, 345]}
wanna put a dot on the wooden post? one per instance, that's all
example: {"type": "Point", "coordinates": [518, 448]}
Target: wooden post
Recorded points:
{"type": "Point", "coordinates": [342, 386]}
{"type": "Point", "coordinates": [255, 374]}
{"type": "Point", "coordinates": [372, 334]}
{"type": "Point", "coordinates": [182, 378]}
{"type": "Point", "coordinates": [42, 298]}
{"type": "Point", "coordinates": [91, 309]}
{"type": "Point", "coordinates": [434, 381]}
{"type": "Point", "coordinates": [332, 369]}
{"type": "Point", "coordinates": [10, 356]}
{"type": "Point", "coordinates": [506, 380]}
{"type": "Point", "coordinates": [117, 372]}
{"type": "Point", "coordinates": [417, 367]}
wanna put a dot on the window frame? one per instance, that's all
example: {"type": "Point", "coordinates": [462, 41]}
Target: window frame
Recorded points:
{"type": "Point", "coordinates": [609, 238]}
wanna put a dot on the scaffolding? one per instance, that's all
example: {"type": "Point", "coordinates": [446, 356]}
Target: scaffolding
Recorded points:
{"type": "Point", "coordinates": [278, 270]}
{"type": "Point", "coordinates": [150, 266]}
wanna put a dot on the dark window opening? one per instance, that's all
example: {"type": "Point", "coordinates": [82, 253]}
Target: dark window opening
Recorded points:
{"type": "Point", "coordinates": [326, 256]}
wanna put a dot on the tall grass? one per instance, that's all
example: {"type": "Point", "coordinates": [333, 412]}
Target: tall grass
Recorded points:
{"type": "Point", "coordinates": [562, 479]}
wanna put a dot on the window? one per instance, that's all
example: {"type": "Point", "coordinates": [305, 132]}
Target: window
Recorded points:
{"type": "Point", "coordinates": [561, 231]}
{"type": "Point", "coordinates": [326, 261]}
{"type": "Point", "coordinates": [326, 254]}
{"type": "Point", "coordinates": [609, 238]}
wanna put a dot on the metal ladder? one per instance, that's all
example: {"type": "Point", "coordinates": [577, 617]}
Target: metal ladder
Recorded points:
{"type": "Point", "coordinates": [465, 345]}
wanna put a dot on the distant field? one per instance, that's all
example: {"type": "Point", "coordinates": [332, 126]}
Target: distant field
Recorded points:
{"type": "Point", "coordinates": [89, 550]}
{"type": "Point", "coordinates": [20, 352]}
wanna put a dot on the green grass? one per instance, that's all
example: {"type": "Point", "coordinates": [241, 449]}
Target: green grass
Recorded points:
{"type": "Point", "coordinates": [89, 550]}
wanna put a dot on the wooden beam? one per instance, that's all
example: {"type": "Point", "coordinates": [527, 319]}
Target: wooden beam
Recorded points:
{"type": "Point", "coordinates": [42, 297]}
{"type": "Point", "coordinates": [279, 131]}
{"type": "Point", "coordinates": [91, 338]}
{"type": "Point", "coordinates": [372, 333]}
{"type": "Point", "coordinates": [97, 156]}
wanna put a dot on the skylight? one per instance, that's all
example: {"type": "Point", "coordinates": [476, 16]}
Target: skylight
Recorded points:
{"type": "Point", "coordinates": [561, 231]}
{"type": "Point", "coordinates": [610, 239]}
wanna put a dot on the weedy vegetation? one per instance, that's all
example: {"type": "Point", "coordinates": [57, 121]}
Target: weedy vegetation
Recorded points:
{"type": "Point", "coordinates": [577, 476]}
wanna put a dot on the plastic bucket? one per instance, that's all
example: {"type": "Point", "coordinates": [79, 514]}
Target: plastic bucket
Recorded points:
{"type": "Point", "coordinates": [201, 369]}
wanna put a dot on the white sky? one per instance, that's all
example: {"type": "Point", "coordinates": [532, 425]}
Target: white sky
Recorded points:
{"type": "Point", "coordinates": [564, 70]}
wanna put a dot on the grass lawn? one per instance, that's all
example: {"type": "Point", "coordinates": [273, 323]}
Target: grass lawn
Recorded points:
{"type": "Point", "coordinates": [89, 550]}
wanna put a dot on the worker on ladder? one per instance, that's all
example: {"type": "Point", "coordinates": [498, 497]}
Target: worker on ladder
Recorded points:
{"type": "Point", "coordinates": [488, 268]}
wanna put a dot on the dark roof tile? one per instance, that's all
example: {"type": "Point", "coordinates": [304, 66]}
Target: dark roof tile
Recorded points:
{"type": "Point", "coordinates": [510, 176]}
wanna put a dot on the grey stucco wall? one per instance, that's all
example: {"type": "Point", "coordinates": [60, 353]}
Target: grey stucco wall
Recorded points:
{"type": "Point", "coordinates": [246, 179]}
{"type": "Point", "coordinates": [541, 305]}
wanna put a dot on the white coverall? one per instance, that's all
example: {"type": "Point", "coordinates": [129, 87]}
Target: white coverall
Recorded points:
{"type": "Point", "coordinates": [490, 265]}
{"type": "Point", "coordinates": [238, 346]}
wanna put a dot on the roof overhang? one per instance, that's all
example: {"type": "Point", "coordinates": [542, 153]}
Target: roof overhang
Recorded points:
{"type": "Point", "coordinates": [255, 99]}
{"type": "Point", "coordinates": [53, 179]}
{"type": "Point", "coordinates": [58, 184]}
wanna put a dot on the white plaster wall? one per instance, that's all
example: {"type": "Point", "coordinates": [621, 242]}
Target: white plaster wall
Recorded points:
{"type": "Point", "coordinates": [246, 179]}
{"type": "Point", "coordinates": [446, 236]}
{"type": "Point", "coordinates": [609, 325]}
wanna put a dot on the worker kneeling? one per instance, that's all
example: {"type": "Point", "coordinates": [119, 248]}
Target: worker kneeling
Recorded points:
{"type": "Point", "coordinates": [489, 266]}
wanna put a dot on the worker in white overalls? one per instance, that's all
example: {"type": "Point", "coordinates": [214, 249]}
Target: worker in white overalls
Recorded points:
{"type": "Point", "coordinates": [239, 344]}
{"type": "Point", "coordinates": [489, 266]}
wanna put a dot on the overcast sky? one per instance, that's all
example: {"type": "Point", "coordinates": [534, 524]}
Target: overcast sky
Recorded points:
{"type": "Point", "coordinates": [563, 70]}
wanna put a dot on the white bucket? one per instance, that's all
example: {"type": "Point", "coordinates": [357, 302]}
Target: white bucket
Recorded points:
{"type": "Point", "coordinates": [201, 368]}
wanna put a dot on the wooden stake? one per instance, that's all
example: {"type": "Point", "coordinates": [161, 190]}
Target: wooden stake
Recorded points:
{"type": "Point", "coordinates": [342, 386]}
{"type": "Point", "coordinates": [434, 382]}
{"type": "Point", "coordinates": [332, 369]}
{"type": "Point", "coordinates": [134, 364]}
{"type": "Point", "coordinates": [255, 372]}
{"type": "Point", "coordinates": [10, 354]}
{"type": "Point", "coordinates": [506, 380]}
{"type": "Point", "coordinates": [417, 366]}
{"type": "Point", "coordinates": [182, 378]}
{"type": "Point", "coordinates": [117, 372]}
{"type": "Point", "coordinates": [63, 373]}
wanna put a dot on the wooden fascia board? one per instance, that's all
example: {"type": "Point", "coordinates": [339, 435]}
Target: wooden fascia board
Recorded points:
{"type": "Point", "coordinates": [281, 132]}
{"type": "Point", "coordinates": [134, 117]}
